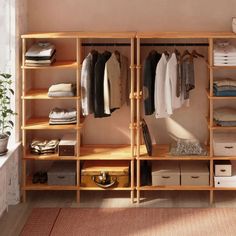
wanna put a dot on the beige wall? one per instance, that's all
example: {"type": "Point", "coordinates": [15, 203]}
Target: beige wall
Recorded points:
{"type": "Point", "coordinates": [166, 15]}
{"type": "Point", "coordinates": [138, 15]}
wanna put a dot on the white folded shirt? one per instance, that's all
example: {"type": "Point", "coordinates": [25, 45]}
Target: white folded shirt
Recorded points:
{"type": "Point", "coordinates": [224, 50]}
{"type": "Point", "coordinates": [40, 50]}
{"type": "Point", "coordinates": [63, 87]}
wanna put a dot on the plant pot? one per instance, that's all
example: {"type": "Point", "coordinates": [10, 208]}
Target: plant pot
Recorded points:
{"type": "Point", "coordinates": [3, 143]}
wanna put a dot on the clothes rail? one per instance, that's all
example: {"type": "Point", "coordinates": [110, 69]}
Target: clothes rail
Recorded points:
{"type": "Point", "coordinates": [176, 44]}
{"type": "Point", "coordinates": [105, 44]}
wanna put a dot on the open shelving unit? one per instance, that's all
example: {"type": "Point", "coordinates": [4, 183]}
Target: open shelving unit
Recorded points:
{"type": "Point", "coordinates": [160, 151]}
{"type": "Point", "coordinates": [84, 152]}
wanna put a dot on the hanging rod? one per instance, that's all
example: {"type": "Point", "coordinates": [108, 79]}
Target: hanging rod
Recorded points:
{"type": "Point", "coordinates": [105, 44]}
{"type": "Point", "coordinates": [175, 44]}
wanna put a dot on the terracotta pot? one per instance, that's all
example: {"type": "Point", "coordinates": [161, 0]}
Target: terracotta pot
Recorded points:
{"type": "Point", "coordinates": [3, 143]}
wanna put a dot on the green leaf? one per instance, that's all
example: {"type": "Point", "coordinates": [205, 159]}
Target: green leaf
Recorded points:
{"type": "Point", "coordinates": [11, 123]}
{"type": "Point", "coordinates": [12, 92]}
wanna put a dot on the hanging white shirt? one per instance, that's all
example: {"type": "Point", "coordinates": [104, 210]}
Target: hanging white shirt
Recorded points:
{"type": "Point", "coordinates": [172, 101]}
{"type": "Point", "coordinates": [112, 84]}
{"type": "Point", "coordinates": [159, 92]}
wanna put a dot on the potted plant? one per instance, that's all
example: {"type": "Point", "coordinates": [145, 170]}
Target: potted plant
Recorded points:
{"type": "Point", "coordinates": [6, 112]}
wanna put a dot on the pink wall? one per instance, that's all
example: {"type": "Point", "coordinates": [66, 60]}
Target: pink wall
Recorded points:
{"type": "Point", "coordinates": [162, 15]}
{"type": "Point", "coordinates": [137, 15]}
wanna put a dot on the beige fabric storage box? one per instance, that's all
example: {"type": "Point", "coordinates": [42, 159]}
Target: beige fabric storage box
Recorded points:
{"type": "Point", "coordinates": [165, 173]}
{"type": "Point", "coordinates": [62, 173]}
{"type": "Point", "coordinates": [194, 174]}
{"type": "Point", "coordinates": [224, 144]}
{"type": "Point", "coordinates": [223, 168]}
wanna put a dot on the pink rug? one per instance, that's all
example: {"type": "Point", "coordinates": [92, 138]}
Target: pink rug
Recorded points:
{"type": "Point", "coordinates": [131, 222]}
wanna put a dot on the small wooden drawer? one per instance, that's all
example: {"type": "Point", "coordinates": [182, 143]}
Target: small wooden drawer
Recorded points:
{"type": "Point", "coordinates": [223, 168]}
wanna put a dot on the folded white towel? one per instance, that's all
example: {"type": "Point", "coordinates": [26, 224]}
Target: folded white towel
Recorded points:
{"type": "Point", "coordinates": [58, 113]}
{"type": "Point", "coordinates": [63, 87]}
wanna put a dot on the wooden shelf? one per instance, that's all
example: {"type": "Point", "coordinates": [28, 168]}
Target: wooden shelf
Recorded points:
{"type": "Point", "coordinates": [217, 127]}
{"type": "Point", "coordinates": [106, 189]}
{"type": "Point", "coordinates": [224, 188]}
{"type": "Point", "coordinates": [224, 157]}
{"type": "Point", "coordinates": [161, 152]}
{"type": "Point", "coordinates": [81, 34]}
{"type": "Point", "coordinates": [186, 35]}
{"type": "Point", "coordinates": [183, 188]}
{"type": "Point", "coordinates": [219, 97]}
{"type": "Point", "coordinates": [105, 152]}
{"type": "Point", "coordinates": [55, 65]}
{"type": "Point", "coordinates": [223, 67]}
{"type": "Point", "coordinates": [30, 186]}
{"type": "Point", "coordinates": [43, 124]}
{"type": "Point", "coordinates": [48, 157]}
{"type": "Point", "coordinates": [43, 94]}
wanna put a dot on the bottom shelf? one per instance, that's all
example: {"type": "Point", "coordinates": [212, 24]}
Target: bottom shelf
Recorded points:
{"type": "Point", "coordinates": [152, 188]}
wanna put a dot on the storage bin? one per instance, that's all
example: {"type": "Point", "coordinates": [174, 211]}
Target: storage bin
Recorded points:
{"type": "Point", "coordinates": [105, 174]}
{"type": "Point", "coordinates": [194, 174]}
{"type": "Point", "coordinates": [225, 181]}
{"type": "Point", "coordinates": [62, 173]}
{"type": "Point", "coordinates": [223, 168]}
{"type": "Point", "coordinates": [224, 144]}
{"type": "Point", "coordinates": [165, 173]}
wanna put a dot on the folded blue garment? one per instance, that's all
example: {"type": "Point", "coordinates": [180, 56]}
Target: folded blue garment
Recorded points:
{"type": "Point", "coordinates": [226, 123]}
{"type": "Point", "coordinates": [226, 93]}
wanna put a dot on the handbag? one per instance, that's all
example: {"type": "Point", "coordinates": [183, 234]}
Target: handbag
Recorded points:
{"type": "Point", "coordinates": [146, 137]}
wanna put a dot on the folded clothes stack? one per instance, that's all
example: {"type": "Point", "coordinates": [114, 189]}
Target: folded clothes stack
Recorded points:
{"type": "Point", "coordinates": [44, 146]}
{"type": "Point", "coordinates": [183, 147]}
{"type": "Point", "coordinates": [62, 90]}
{"type": "Point", "coordinates": [60, 116]}
{"type": "Point", "coordinates": [225, 116]}
{"type": "Point", "coordinates": [40, 54]}
{"type": "Point", "coordinates": [225, 87]}
{"type": "Point", "coordinates": [224, 54]}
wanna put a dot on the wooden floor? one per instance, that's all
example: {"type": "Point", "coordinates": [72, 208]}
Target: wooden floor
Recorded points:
{"type": "Point", "coordinates": [12, 221]}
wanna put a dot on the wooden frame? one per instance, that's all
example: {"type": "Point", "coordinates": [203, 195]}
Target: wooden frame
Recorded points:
{"type": "Point", "coordinates": [87, 152]}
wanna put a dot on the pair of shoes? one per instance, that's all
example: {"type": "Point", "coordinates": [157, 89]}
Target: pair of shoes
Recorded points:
{"type": "Point", "coordinates": [40, 177]}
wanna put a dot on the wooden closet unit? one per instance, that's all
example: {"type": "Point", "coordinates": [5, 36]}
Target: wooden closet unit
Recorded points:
{"type": "Point", "coordinates": [161, 151]}
{"type": "Point", "coordinates": [100, 152]}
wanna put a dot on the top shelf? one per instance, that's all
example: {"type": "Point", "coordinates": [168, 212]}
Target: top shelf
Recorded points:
{"type": "Point", "coordinates": [186, 35]}
{"type": "Point", "coordinates": [71, 35]}
{"type": "Point", "coordinates": [130, 34]}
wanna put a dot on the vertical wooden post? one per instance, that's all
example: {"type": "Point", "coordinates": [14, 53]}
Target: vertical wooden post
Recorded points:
{"type": "Point", "coordinates": [23, 120]}
{"type": "Point", "coordinates": [138, 120]}
{"type": "Point", "coordinates": [132, 117]}
{"type": "Point", "coordinates": [211, 74]}
{"type": "Point", "coordinates": [78, 75]}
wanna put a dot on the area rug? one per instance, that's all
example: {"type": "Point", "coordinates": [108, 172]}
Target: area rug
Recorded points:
{"type": "Point", "coordinates": [131, 222]}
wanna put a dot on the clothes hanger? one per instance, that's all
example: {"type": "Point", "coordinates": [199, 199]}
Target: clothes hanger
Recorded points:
{"type": "Point", "coordinates": [186, 52]}
{"type": "Point", "coordinates": [196, 54]}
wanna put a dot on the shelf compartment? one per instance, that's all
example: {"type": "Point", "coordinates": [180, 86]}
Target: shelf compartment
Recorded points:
{"type": "Point", "coordinates": [219, 98]}
{"type": "Point", "coordinates": [43, 124]}
{"type": "Point", "coordinates": [30, 186]}
{"type": "Point", "coordinates": [183, 188]}
{"type": "Point", "coordinates": [105, 152]}
{"type": "Point", "coordinates": [43, 94]}
{"type": "Point", "coordinates": [55, 65]}
{"type": "Point", "coordinates": [161, 152]}
{"type": "Point", "coordinates": [49, 157]}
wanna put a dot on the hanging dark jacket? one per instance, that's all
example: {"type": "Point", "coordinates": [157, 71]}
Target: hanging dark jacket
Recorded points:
{"type": "Point", "coordinates": [149, 74]}
{"type": "Point", "coordinates": [98, 84]}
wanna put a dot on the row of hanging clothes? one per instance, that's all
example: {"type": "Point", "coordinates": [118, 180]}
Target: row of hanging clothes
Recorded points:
{"type": "Point", "coordinates": [104, 83]}
{"type": "Point", "coordinates": [168, 79]}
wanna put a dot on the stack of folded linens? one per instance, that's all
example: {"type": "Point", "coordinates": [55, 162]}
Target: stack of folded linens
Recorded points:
{"type": "Point", "coordinates": [62, 90]}
{"type": "Point", "coordinates": [225, 116]}
{"type": "Point", "coordinates": [40, 54]}
{"type": "Point", "coordinates": [60, 116]}
{"type": "Point", "coordinates": [224, 54]}
{"type": "Point", "coordinates": [44, 146]}
{"type": "Point", "coordinates": [225, 87]}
